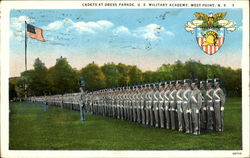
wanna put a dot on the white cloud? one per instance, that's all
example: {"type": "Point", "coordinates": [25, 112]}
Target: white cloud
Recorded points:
{"type": "Point", "coordinates": [105, 24]}
{"type": "Point", "coordinates": [169, 33]}
{"type": "Point", "coordinates": [17, 26]}
{"type": "Point", "coordinates": [92, 27]}
{"type": "Point", "coordinates": [81, 26]}
{"type": "Point", "coordinates": [54, 26]}
{"type": "Point", "coordinates": [18, 22]}
{"type": "Point", "coordinates": [121, 30]}
{"type": "Point", "coordinates": [151, 32]}
{"type": "Point", "coordinates": [62, 24]}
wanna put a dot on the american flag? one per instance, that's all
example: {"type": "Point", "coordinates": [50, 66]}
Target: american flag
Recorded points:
{"type": "Point", "coordinates": [35, 32]}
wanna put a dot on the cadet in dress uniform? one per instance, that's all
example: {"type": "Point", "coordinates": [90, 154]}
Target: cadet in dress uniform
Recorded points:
{"type": "Point", "coordinates": [142, 103]}
{"type": "Point", "coordinates": [148, 104]}
{"type": "Point", "coordinates": [151, 112]}
{"type": "Point", "coordinates": [112, 96]}
{"type": "Point", "coordinates": [210, 104]}
{"type": "Point", "coordinates": [105, 102]}
{"type": "Point", "coordinates": [196, 101]}
{"type": "Point", "coordinates": [118, 98]}
{"type": "Point", "coordinates": [161, 104]}
{"type": "Point", "coordinates": [167, 105]}
{"type": "Point", "coordinates": [203, 111]}
{"type": "Point", "coordinates": [102, 100]}
{"type": "Point", "coordinates": [172, 97]}
{"type": "Point", "coordinates": [179, 99]}
{"type": "Point", "coordinates": [186, 106]}
{"type": "Point", "coordinates": [126, 100]}
{"type": "Point", "coordinates": [138, 103]}
{"type": "Point", "coordinates": [116, 102]}
{"type": "Point", "coordinates": [134, 103]}
{"type": "Point", "coordinates": [155, 103]}
{"type": "Point", "coordinates": [219, 102]}
{"type": "Point", "coordinates": [129, 98]}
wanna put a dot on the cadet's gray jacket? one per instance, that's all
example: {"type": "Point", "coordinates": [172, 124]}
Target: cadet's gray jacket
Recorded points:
{"type": "Point", "coordinates": [166, 95]}
{"type": "Point", "coordinates": [209, 95]}
{"type": "Point", "coordinates": [172, 95]}
{"type": "Point", "coordinates": [203, 93]}
{"type": "Point", "coordinates": [196, 97]}
{"type": "Point", "coordinates": [179, 94]}
{"type": "Point", "coordinates": [186, 97]}
{"type": "Point", "coordinates": [219, 96]}
{"type": "Point", "coordinates": [155, 95]}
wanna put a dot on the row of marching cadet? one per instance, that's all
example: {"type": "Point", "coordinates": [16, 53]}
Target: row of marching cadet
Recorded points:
{"type": "Point", "coordinates": [189, 106]}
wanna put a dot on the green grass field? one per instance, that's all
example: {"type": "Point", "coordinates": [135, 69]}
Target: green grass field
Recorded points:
{"type": "Point", "coordinates": [32, 128]}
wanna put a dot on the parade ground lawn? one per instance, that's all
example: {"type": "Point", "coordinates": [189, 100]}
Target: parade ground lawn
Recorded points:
{"type": "Point", "coordinates": [32, 128]}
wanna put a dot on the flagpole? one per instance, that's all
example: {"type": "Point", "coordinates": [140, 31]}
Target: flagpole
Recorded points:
{"type": "Point", "coordinates": [25, 46]}
{"type": "Point", "coordinates": [25, 85]}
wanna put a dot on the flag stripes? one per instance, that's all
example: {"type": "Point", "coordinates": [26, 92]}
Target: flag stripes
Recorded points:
{"type": "Point", "coordinates": [35, 33]}
{"type": "Point", "coordinates": [209, 49]}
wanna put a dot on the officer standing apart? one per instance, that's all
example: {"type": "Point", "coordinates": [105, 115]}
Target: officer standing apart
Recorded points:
{"type": "Point", "coordinates": [219, 102]}
{"type": "Point", "coordinates": [46, 104]}
{"type": "Point", "coordinates": [81, 104]}
{"type": "Point", "coordinates": [82, 100]}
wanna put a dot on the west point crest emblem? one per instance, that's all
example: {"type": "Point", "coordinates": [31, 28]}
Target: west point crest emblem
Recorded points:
{"type": "Point", "coordinates": [210, 30]}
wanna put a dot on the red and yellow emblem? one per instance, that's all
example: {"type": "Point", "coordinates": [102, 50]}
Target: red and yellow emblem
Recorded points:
{"type": "Point", "coordinates": [210, 30]}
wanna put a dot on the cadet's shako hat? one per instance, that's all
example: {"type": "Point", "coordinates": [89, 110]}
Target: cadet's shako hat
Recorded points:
{"type": "Point", "coordinates": [187, 82]}
{"type": "Point", "coordinates": [195, 82]}
{"type": "Point", "coordinates": [166, 83]}
{"type": "Point", "coordinates": [151, 85]}
{"type": "Point", "coordinates": [172, 83]}
{"type": "Point", "coordinates": [202, 82]}
{"type": "Point", "coordinates": [210, 81]}
{"type": "Point", "coordinates": [162, 84]}
{"type": "Point", "coordinates": [216, 81]}
{"type": "Point", "coordinates": [156, 85]}
{"type": "Point", "coordinates": [179, 83]}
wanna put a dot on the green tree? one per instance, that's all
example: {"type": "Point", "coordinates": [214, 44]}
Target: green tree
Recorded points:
{"type": "Point", "coordinates": [124, 78]}
{"type": "Point", "coordinates": [168, 71]}
{"type": "Point", "coordinates": [62, 77]}
{"type": "Point", "coordinates": [135, 75]}
{"type": "Point", "coordinates": [93, 76]}
{"type": "Point", "coordinates": [37, 79]}
{"type": "Point", "coordinates": [111, 73]}
{"type": "Point", "coordinates": [12, 88]}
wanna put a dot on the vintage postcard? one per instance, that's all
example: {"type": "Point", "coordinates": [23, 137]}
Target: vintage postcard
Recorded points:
{"type": "Point", "coordinates": [125, 79]}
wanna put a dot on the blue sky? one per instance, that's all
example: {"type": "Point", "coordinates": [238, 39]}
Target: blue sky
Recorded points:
{"type": "Point", "coordinates": [147, 38]}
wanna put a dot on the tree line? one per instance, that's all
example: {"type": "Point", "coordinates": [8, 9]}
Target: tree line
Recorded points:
{"type": "Point", "coordinates": [62, 78]}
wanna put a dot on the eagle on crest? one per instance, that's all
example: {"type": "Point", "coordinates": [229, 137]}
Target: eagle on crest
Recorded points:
{"type": "Point", "coordinates": [211, 20]}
